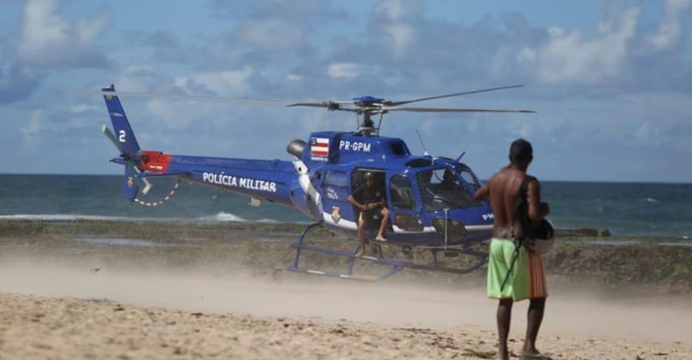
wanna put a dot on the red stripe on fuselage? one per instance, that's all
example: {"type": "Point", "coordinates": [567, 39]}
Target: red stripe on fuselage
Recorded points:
{"type": "Point", "coordinates": [155, 161]}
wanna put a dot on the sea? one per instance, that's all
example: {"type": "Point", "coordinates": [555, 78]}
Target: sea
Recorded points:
{"type": "Point", "coordinates": [652, 210]}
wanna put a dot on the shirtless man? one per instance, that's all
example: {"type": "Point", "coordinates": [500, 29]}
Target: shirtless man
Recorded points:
{"type": "Point", "coordinates": [527, 279]}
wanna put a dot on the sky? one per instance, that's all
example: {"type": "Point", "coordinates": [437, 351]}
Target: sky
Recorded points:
{"type": "Point", "coordinates": [610, 80]}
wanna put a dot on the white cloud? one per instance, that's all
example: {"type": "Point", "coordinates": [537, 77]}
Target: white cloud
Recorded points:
{"type": "Point", "coordinates": [648, 131]}
{"type": "Point", "coordinates": [42, 28]}
{"type": "Point", "coordinates": [402, 36]}
{"type": "Point", "coordinates": [87, 30]}
{"type": "Point", "coordinates": [569, 57]}
{"type": "Point", "coordinates": [223, 83]}
{"type": "Point", "coordinates": [670, 29]}
{"type": "Point", "coordinates": [272, 34]}
{"type": "Point", "coordinates": [46, 38]}
{"type": "Point", "coordinates": [82, 108]}
{"type": "Point", "coordinates": [398, 9]}
{"type": "Point", "coordinates": [137, 78]}
{"type": "Point", "coordinates": [344, 70]}
{"type": "Point", "coordinates": [37, 123]}
{"type": "Point", "coordinates": [172, 115]}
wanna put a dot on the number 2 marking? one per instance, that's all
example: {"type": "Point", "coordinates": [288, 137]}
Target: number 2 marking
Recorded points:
{"type": "Point", "coordinates": [121, 136]}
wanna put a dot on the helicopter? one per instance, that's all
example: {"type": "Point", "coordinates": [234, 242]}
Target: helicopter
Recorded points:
{"type": "Point", "coordinates": [429, 199]}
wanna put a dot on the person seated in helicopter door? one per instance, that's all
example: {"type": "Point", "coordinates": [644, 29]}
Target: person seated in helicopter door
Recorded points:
{"type": "Point", "coordinates": [369, 198]}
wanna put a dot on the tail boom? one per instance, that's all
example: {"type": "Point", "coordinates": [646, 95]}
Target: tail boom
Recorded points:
{"type": "Point", "coordinates": [271, 180]}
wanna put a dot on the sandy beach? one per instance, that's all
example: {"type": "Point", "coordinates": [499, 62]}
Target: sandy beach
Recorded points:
{"type": "Point", "coordinates": [104, 301]}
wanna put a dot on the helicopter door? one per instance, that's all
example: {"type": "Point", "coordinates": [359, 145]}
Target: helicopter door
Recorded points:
{"type": "Point", "coordinates": [403, 204]}
{"type": "Point", "coordinates": [335, 198]}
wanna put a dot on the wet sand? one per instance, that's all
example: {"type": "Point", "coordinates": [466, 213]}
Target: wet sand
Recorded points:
{"type": "Point", "coordinates": [98, 300]}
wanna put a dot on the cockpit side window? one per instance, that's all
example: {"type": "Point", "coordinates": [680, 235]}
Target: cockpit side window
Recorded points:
{"type": "Point", "coordinates": [445, 188]}
{"type": "Point", "coordinates": [401, 193]}
{"type": "Point", "coordinates": [469, 178]}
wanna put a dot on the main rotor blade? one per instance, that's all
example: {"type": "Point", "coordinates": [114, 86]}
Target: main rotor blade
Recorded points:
{"type": "Point", "coordinates": [329, 105]}
{"type": "Point", "coordinates": [214, 99]}
{"type": "Point", "coordinates": [326, 103]}
{"type": "Point", "coordinates": [316, 104]}
{"type": "Point", "coordinates": [417, 109]}
{"type": "Point", "coordinates": [397, 103]}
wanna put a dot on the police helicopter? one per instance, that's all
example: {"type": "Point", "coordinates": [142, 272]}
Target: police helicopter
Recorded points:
{"type": "Point", "coordinates": [428, 200]}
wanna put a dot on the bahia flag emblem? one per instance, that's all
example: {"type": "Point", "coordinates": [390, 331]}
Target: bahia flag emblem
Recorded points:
{"type": "Point", "coordinates": [319, 147]}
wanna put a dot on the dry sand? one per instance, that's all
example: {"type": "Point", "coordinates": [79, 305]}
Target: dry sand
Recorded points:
{"type": "Point", "coordinates": [53, 310]}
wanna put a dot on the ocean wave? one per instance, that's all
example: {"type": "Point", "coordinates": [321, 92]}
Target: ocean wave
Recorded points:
{"type": "Point", "coordinates": [228, 217]}
{"type": "Point", "coordinates": [223, 217]}
{"type": "Point", "coordinates": [220, 217]}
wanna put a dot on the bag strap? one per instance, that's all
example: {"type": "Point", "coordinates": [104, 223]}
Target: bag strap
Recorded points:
{"type": "Point", "coordinates": [521, 201]}
{"type": "Point", "coordinates": [524, 220]}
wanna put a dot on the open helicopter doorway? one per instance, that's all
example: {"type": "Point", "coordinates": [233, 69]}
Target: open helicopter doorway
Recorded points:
{"type": "Point", "coordinates": [359, 180]}
{"type": "Point", "coordinates": [400, 201]}
{"type": "Point", "coordinates": [359, 177]}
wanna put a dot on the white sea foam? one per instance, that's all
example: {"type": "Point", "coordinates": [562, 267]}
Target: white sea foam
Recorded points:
{"type": "Point", "coordinates": [119, 241]}
{"type": "Point", "coordinates": [228, 217]}
{"type": "Point", "coordinates": [224, 217]}
{"type": "Point", "coordinates": [220, 217]}
{"type": "Point", "coordinates": [59, 217]}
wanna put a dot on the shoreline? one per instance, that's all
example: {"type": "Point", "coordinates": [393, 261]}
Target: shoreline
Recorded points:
{"type": "Point", "coordinates": [638, 263]}
{"type": "Point", "coordinates": [561, 232]}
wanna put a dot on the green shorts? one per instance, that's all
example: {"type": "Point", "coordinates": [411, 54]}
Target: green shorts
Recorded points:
{"type": "Point", "coordinates": [527, 280]}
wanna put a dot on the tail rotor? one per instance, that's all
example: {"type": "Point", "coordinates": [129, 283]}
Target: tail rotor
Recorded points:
{"type": "Point", "coordinates": [131, 171]}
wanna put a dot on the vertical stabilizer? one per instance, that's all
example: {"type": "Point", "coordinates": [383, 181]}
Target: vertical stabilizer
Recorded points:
{"type": "Point", "coordinates": [123, 132]}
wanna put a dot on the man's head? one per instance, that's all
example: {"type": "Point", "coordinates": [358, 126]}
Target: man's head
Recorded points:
{"type": "Point", "coordinates": [369, 178]}
{"type": "Point", "coordinates": [520, 152]}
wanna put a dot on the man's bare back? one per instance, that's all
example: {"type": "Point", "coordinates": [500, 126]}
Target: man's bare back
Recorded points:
{"type": "Point", "coordinates": [503, 190]}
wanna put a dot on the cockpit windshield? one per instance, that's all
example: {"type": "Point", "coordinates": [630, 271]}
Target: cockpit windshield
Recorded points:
{"type": "Point", "coordinates": [447, 188]}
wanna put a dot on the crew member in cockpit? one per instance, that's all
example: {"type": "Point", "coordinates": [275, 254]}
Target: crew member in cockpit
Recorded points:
{"type": "Point", "coordinates": [369, 198]}
{"type": "Point", "coordinates": [450, 181]}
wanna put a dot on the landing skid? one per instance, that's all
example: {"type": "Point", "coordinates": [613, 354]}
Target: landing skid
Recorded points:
{"type": "Point", "coordinates": [480, 259]}
{"type": "Point", "coordinates": [392, 266]}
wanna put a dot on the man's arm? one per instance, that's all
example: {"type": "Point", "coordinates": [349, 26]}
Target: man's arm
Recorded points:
{"type": "Point", "coordinates": [483, 192]}
{"type": "Point", "coordinates": [355, 202]}
{"type": "Point", "coordinates": [365, 207]}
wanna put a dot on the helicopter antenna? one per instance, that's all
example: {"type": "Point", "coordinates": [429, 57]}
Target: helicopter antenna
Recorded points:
{"type": "Point", "coordinates": [425, 151]}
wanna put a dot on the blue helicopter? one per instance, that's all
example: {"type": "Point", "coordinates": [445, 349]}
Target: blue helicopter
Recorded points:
{"type": "Point", "coordinates": [429, 200]}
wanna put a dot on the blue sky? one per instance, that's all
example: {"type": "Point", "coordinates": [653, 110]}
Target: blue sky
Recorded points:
{"type": "Point", "coordinates": [611, 81]}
